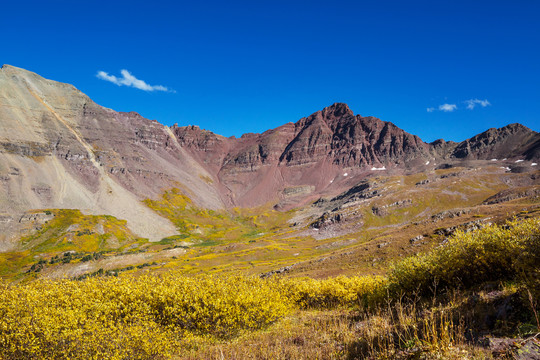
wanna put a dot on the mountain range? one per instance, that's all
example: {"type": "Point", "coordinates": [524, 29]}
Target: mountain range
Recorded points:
{"type": "Point", "coordinates": [61, 150]}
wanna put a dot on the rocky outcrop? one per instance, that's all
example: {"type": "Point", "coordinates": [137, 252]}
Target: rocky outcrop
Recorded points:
{"type": "Point", "coordinates": [442, 149]}
{"type": "Point", "coordinates": [465, 227]}
{"type": "Point", "coordinates": [209, 148]}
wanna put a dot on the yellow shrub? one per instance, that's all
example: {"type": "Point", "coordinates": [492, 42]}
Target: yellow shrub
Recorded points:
{"type": "Point", "coordinates": [494, 253]}
{"type": "Point", "coordinates": [128, 317]}
{"type": "Point", "coordinates": [339, 291]}
{"type": "Point", "coordinates": [214, 305]}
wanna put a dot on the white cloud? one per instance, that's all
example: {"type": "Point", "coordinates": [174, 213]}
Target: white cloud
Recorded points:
{"type": "Point", "coordinates": [128, 79]}
{"type": "Point", "coordinates": [447, 107]}
{"type": "Point", "coordinates": [471, 103]}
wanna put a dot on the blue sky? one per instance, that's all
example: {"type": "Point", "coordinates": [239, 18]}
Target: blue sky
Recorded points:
{"type": "Point", "coordinates": [247, 66]}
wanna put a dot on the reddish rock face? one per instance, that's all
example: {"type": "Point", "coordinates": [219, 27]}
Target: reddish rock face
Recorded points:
{"type": "Point", "coordinates": [336, 134]}
{"type": "Point", "coordinates": [329, 151]}
{"type": "Point", "coordinates": [325, 151]}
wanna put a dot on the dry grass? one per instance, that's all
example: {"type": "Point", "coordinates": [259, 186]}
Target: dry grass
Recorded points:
{"type": "Point", "coordinates": [396, 332]}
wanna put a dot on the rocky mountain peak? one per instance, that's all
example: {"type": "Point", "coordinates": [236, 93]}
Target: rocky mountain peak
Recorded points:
{"type": "Point", "coordinates": [336, 110]}
{"type": "Point", "coordinates": [514, 128]}
{"type": "Point", "coordinates": [505, 142]}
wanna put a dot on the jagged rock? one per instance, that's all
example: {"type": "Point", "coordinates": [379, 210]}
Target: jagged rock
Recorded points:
{"type": "Point", "coordinates": [326, 220]}
{"type": "Point", "coordinates": [383, 210]}
{"type": "Point", "coordinates": [517, 349]}
{"type": "Point", "coordinates": [528, 350]}
{"type": "Point", "coordinates": [455, 174]}
{"type": "Point", "coordinates": [37, 217]}
{"type": "Point", "coordinates": [399, 203]}
{"type": "Point", "coordinates": [466, 227]}
{"type": "Point", "coordinates": [277, 272]}
{"type": "Point", "coordinates": [379, 211]}
{"type": "Point", "coordinates": [320, 202]}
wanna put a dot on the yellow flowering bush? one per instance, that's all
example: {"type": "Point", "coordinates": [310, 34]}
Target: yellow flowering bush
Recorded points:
{"type": "Point", "coordinates": [338, 291]}
{"type": "Point", "coordinates": [214, 305]}
{"type": "Point", "coordinates": [494, 253]}
{"type": "Point", "coordinates": [67, 319]}
{"type": "Point", "coordinates": [151, 317]}
{"type": "Point", "coordinates": [129, 317]}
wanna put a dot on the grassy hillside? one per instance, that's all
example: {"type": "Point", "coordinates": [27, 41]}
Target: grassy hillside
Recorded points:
{"type": "Point", "coordinates": [423, 308]}
{"type": "Point", "coordinates": [66, 236]}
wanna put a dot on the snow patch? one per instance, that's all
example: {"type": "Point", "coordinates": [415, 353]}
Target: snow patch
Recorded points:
{"type": "Point", "coordinates": [346, 174]}
{"type": "Point", "coordinates": [378, 169]}
{"type": "Point", "coordinates": [534, 164]}
{"type": "Point", "coordinates": [506, 168]}
{"type": "Point", "coordinates": [493, 159]}
{"type": "Point", "coordinates": [519, 161]}
{"type": "Point", "coordinates": [427, 162]}
{"type": "Point", "coordinates": [331, 181]}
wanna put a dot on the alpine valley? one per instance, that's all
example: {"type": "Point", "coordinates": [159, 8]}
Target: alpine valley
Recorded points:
{"type": "Point", "coordinates": [334, 193]}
